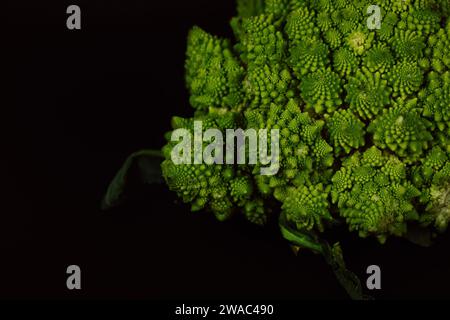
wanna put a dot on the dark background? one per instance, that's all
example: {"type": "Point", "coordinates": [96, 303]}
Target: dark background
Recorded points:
{"type": "Point", "coordinates": [82, 101]}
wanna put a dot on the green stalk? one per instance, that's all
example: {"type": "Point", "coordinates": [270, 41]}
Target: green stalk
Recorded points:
{"type": "Point", "coordinates": [332, 255]}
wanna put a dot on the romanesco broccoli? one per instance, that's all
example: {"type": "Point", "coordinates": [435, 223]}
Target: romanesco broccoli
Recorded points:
{"type": "Point", "coordinates": [363, 115]}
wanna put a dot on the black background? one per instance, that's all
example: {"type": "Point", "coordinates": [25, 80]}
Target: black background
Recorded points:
{"type": "Point", "coordinates": [82, 101]}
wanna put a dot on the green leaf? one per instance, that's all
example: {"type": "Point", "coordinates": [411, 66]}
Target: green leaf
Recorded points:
{"type": "Point", "coordinates": [332, 255]}
{"type": "Point", "coordinates": [303, 239]}
{"type": "Point", "coordinates": [142, 167]}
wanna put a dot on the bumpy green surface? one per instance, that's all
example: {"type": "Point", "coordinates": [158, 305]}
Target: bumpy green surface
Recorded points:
{"type": "Point", "coordinates": [364, 115]}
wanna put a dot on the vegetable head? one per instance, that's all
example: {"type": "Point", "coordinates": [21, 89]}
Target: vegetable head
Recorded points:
{"type": "Point", "coordinates": [363, 114]}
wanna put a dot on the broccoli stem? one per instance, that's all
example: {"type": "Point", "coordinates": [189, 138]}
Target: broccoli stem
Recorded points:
{"type": "Point", "coordinates": [332, 255]}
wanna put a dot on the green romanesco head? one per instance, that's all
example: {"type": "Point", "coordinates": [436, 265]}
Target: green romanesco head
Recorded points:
{"type": "Point", "coordinates": [363, 114]}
